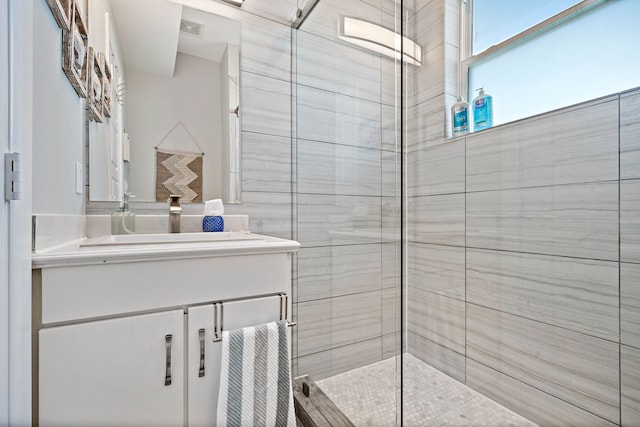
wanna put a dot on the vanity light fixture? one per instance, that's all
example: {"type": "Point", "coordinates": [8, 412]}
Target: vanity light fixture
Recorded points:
{"type": "Point", "coordinates": [235, 2]}
{"type": "Point", "coordinates": [379, 39]}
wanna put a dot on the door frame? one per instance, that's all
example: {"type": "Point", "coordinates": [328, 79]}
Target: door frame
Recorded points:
{"type": "Point", "coordinates": [4, 221]}
{"type": "Point", "coordinates": [16, 79]}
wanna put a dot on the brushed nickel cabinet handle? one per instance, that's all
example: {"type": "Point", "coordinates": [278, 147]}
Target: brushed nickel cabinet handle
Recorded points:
{"type": "Point", "coordinates": [167, 345]}
{"type": "Point", "coordinates": [201, 336]}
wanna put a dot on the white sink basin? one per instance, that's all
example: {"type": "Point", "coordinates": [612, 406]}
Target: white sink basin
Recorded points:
{"type": "Point", "coordinates": [162, 238]}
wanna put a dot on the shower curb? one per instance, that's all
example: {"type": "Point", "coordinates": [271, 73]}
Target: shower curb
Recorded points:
{"type": "Point", "coordinates": [314, 408]}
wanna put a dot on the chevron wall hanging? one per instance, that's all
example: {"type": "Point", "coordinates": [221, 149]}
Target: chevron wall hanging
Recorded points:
{"type": "Point", "coordinates": [179, 166]}
{"type": "Point", "coordinates": [179, 174]}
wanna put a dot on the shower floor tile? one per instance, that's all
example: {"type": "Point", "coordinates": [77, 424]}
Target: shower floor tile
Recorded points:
{"type": "Point", "coordinates": [367, 396]}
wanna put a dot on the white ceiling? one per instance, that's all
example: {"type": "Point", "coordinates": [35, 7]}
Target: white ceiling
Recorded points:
{"type": "Point", "coordinates": [217, 32]}
{"type": "Point", "coordinates": [150, 37]}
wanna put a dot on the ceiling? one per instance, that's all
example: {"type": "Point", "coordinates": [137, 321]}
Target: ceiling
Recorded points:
{"type": "Point", "coordinates": [150, 36]}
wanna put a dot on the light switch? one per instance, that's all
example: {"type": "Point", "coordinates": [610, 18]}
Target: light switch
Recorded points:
{"type": "Point", "coordinates": [79, 178]}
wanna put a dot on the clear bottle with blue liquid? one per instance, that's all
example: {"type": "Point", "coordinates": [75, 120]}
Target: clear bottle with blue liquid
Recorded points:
{"type": "Point", "coordinates": [482, 111]}
{"type": "Point", "coordinates": [460, 117]}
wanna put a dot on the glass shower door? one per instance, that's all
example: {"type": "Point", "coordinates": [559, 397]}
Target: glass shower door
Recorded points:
{"type": "Point", "coordinates": [347, 194]}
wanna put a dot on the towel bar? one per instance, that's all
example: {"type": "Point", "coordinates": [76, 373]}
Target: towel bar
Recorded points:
{"type": "Point", "coordinates": [219, 319]}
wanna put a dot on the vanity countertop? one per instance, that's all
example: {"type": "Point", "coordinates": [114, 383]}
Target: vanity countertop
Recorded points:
{"type": "Point", "coordinates": [91, 251]}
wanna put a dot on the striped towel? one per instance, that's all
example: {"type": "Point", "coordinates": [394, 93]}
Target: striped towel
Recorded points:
{"type": "Point", "coordinates": [255, 380]}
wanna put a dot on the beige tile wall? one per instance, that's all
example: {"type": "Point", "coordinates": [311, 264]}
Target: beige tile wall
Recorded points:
{"type": "Point", "coordinates": [545, 299]}
{"type": "Point", "coordinates": [532, 230]}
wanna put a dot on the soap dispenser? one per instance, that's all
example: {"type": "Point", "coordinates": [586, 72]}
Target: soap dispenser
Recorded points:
{"type": "Point", "coordinates": [482, 110]}
{"type": "Point", "coordinates": [123, 221]}
{"type": "Point", "coordinates": [460, 117]}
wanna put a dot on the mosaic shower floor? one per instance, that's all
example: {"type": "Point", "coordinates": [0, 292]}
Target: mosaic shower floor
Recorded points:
{"type": "Point", "coordinates": [367, 396]}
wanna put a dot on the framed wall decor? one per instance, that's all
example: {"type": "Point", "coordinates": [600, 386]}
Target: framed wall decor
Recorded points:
{"type": "Point", "coordinates": [75, 51]}
{"type": "Point", "coordinates": [61, 10]}
{"type": "Point", "coordinates": [96, 85]}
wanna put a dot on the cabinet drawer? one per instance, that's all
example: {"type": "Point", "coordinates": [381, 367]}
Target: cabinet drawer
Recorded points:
{"type": "Point", "coordinates": [81, 292]}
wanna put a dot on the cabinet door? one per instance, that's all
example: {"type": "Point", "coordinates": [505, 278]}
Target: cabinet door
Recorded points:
{"type": "Point", "coordinates": [113, 372]}
{"type": "Point", "coordinates": [203, 390]}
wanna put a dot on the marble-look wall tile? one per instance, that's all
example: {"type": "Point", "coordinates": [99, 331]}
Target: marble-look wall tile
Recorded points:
{"type": "Point", "coordinates": [269, 213]}
{"type": "Point", "coordinates": [437, 170]}
{"type": "Point", "coordinates": [451, 55]}
{"type": "Point", "coordinates": [266, 47]}
{"type": "Point", "coordinates": [325, 168]}
{"type": "Point", "coordinates": [279, 10]}
{"type": "Point", "coordinates": [389, 6]}
{"type": "Point", "coordinates": [437, 219]}
{"type": "Point", "coordinates": [331, 117]}
{"type": "Point", "coordinates": [580, 369]}
{"type": "Point", "coordinates": [390, 122]}
{"type": "Point", "coordinates": [429, 24]}
{"type": "Point", "coordinates": [630, 365]}
{"type": "Point", "coordinates": [391, 217]}
{"type": "Point", "coordinates": [341, 359]}
{"type": "Point", "coordinates": [426, 124]}
{"type": "Point", "coordinates": [390, 79]}
{"type": "Point", "coordinates": [579, 220]}
{"type": "Point", "coordinates": [568, 147]}
{"type": "Point", "coordinates": [337, 67]}
{"type": "Point", "coordinates": [442, 358]}
{"type": "Point", "coordinates": [390, 345]}
{"type": "Point", "coordinates": [266, 104]}
{"type": "Point", "coordinates": [338, 220]}
{"type": "Point", "coordinates": [533, 404]}
{"type": "Point", "coordinates": [451, 22]}
{"type": "Point", "coordinates": [630, 135]}
{"type": "Point", "coordinates": [331, 271]}
{"type": "Point", "coordinates": [391, 265]}
{"type": "Point", "coordinates": [630, 304]}
{"type": "Point", "coordinates": [436, 268]}
{"type": "Point", "coordinates": [577, 294]}
{"type": "Point", "coordinates": [438, 318]}
{"type": "Point", "coordinates": [391, 316]}
{"type": "Point", "coordinates": [630, 220]}
{"type": "Point", "coordinates": [339, 321]}
{"type": "Point", "coordinates": [426, 82]}
{"type": "Point", "coordinates": [266, 162]}
{"type": "Point", "coordinates": [390, 174]}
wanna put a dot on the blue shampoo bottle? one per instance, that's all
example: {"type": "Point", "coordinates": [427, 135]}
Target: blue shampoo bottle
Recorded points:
{"type": "Point", "coordinates": [482, 111]}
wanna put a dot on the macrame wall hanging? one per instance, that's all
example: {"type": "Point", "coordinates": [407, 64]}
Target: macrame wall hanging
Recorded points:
{"type": "Point", "coordinates": [179, 171]}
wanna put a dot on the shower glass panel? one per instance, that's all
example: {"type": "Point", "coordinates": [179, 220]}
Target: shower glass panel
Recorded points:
{"type": "Point", "coordinates": [347, 197]}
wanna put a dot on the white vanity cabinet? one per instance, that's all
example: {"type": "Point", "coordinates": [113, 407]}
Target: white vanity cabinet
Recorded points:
{"type": "Point", "coordinates": [129, 341]}
{"type": "Point", "coordinates": [113, 372]}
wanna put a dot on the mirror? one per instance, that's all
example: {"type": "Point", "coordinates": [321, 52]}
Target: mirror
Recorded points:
{"type": "Point", "coordinates": [175, 117]}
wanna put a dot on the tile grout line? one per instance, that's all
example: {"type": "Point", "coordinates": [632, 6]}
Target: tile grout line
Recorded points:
{"type": "Point", "coordinates": [465, 260]}
{"type": "Point", "coordinates": [619, 271]}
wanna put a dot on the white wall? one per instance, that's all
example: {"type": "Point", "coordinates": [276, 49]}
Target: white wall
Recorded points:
{"type": "Point", "coordinates": [155, 104]}
{"type": "Point", "coordinates": [58, 122]}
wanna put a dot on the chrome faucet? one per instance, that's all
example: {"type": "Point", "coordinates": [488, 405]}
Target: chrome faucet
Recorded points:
{"type": "Point", "coordinates": [175, 211]}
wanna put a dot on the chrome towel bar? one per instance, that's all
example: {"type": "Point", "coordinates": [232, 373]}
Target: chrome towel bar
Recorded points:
{"type": "Point", "coordinates": [218, 315]}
